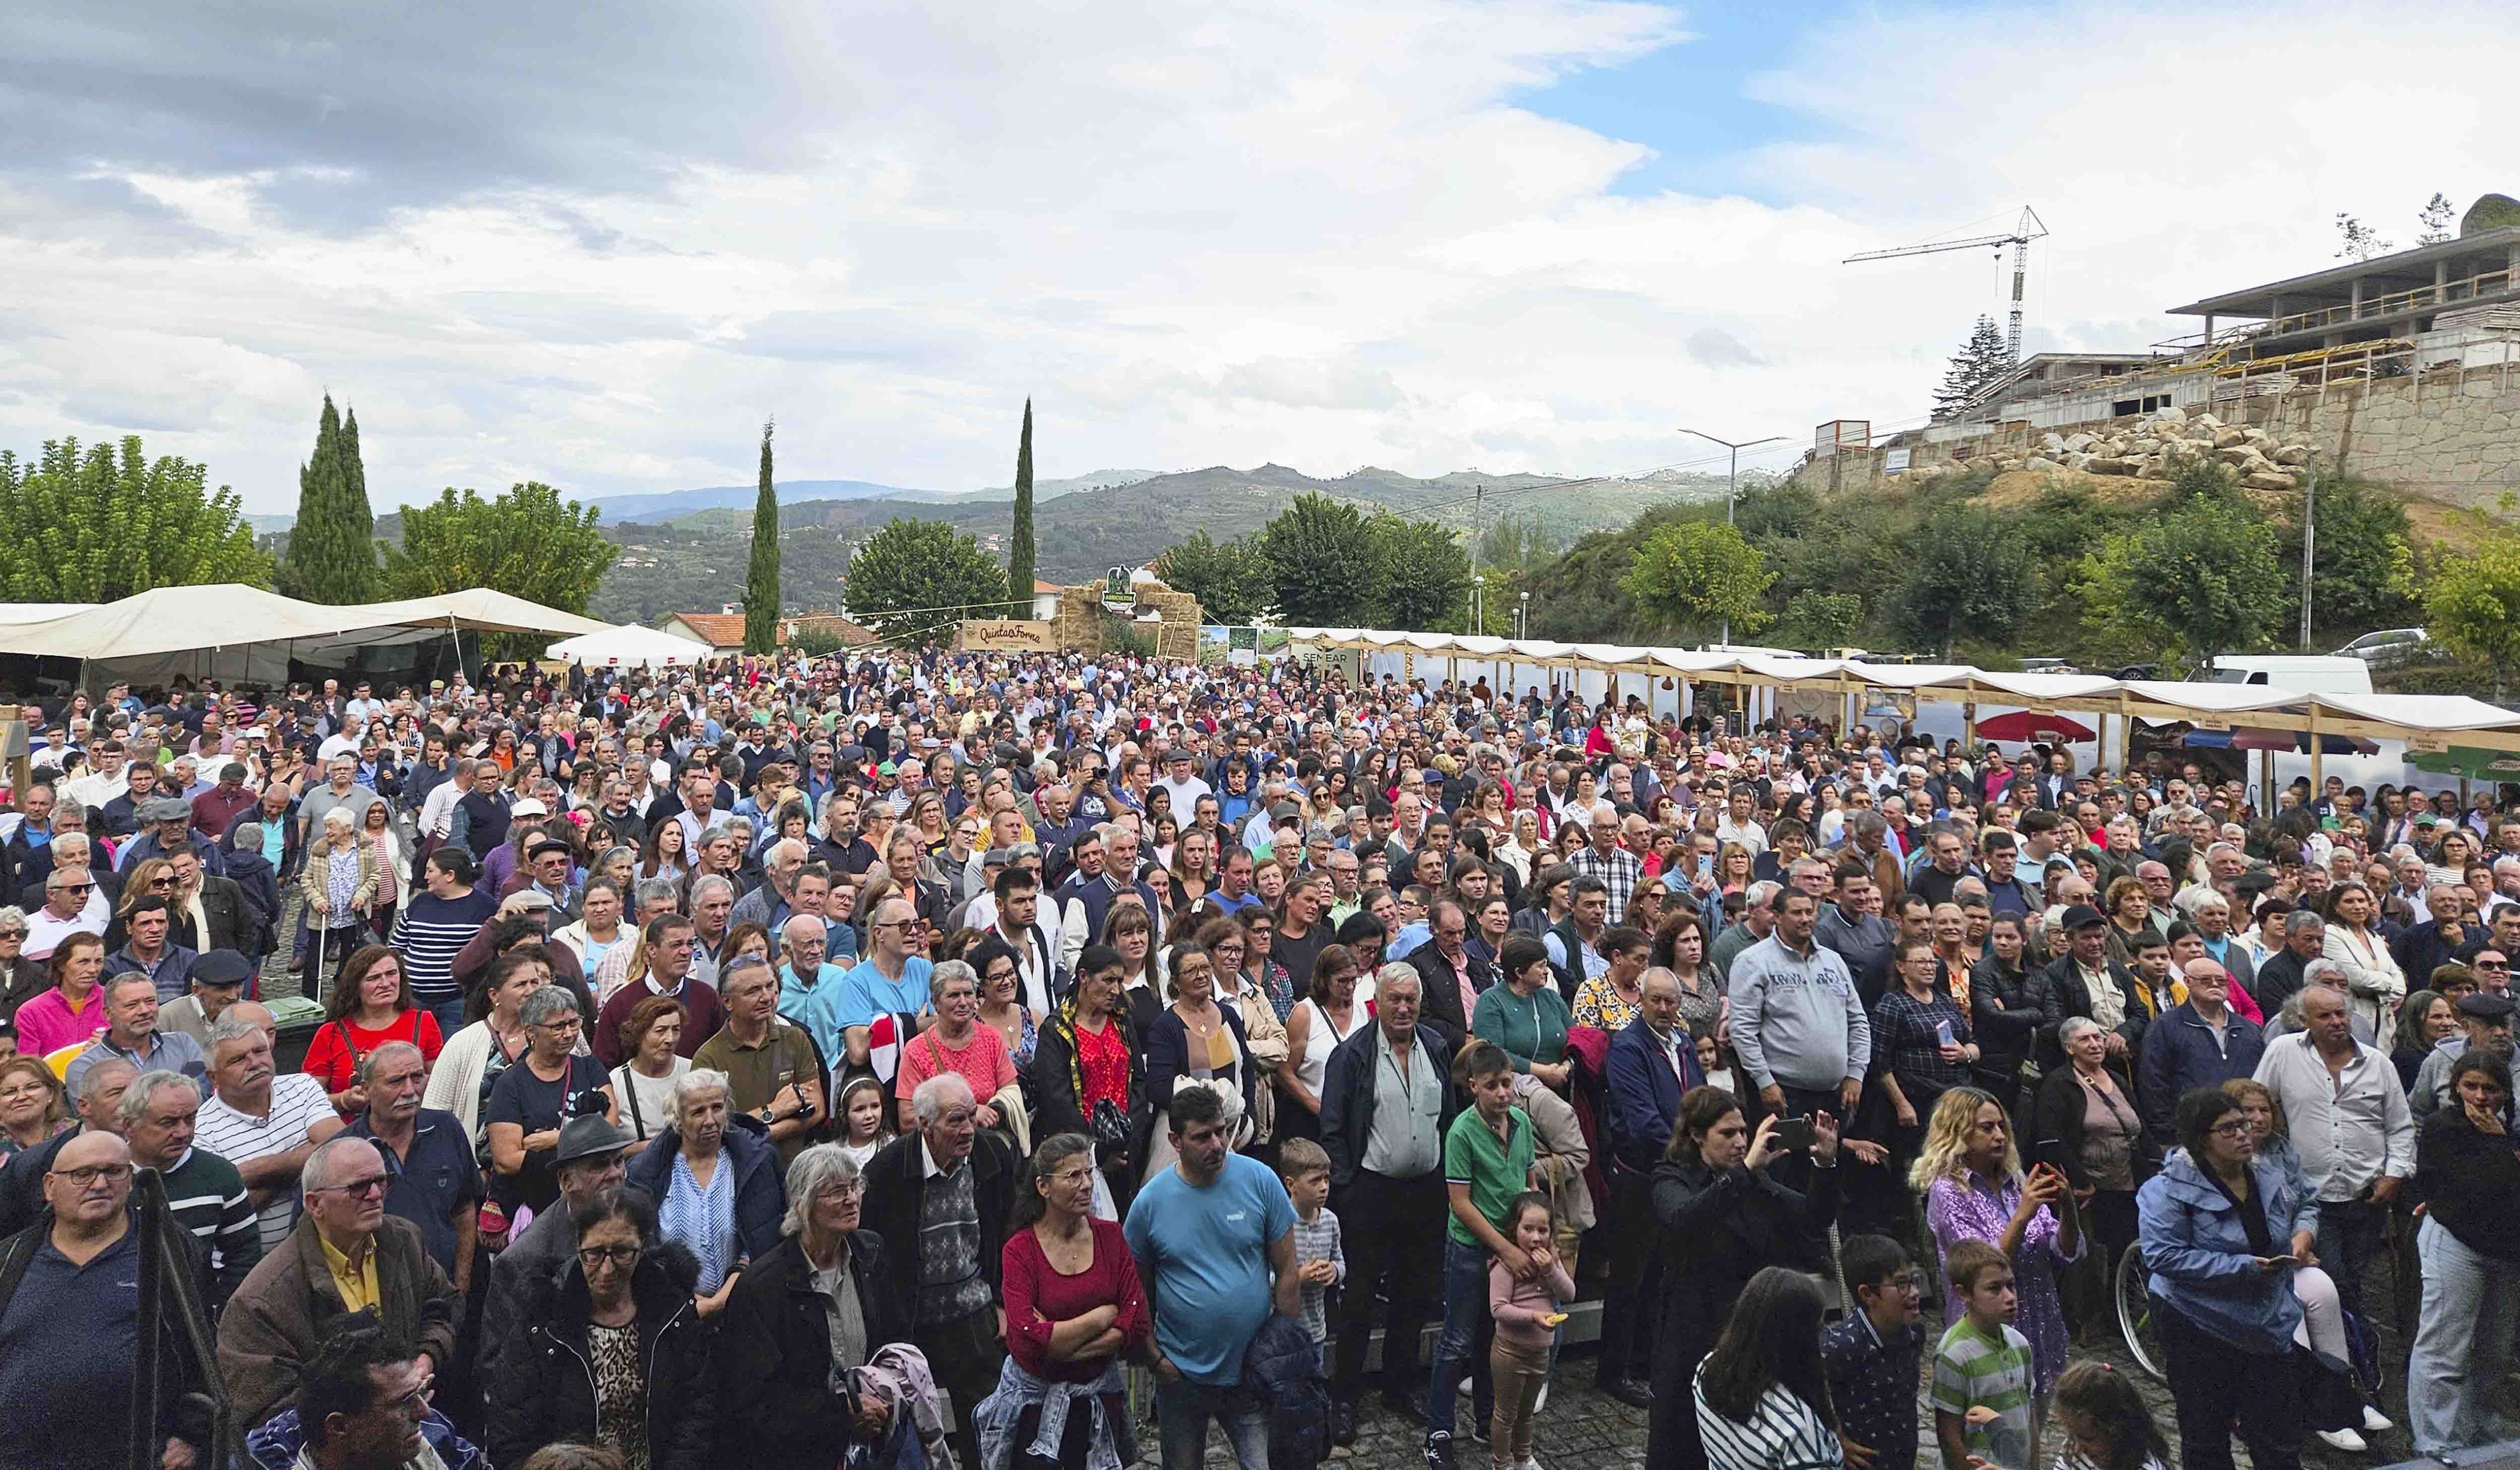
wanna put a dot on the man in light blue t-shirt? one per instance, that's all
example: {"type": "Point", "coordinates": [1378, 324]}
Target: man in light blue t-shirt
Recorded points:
{"type": "Point", "coordinates": [890, 982]}
{"type": "Point", "coordinates": [1215, 1243]}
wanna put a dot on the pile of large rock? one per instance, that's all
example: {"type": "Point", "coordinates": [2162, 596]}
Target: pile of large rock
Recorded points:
{"type": "Point", "coordinates": [2154, 448]}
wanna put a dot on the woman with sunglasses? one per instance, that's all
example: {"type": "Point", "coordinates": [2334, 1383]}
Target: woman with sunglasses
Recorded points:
{"type": "Point", "coordinates": [619, 1356]}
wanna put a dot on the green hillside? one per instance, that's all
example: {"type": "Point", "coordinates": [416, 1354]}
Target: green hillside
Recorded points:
{"type": "Point", "coordinates": [696, 562]}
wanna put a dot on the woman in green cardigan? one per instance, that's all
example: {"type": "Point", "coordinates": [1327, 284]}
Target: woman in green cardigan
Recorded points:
{"type": "Point", "coordinates": [1526, 1015]}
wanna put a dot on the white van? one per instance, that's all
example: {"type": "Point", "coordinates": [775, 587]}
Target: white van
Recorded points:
{"type": "Point", "coordinates": [2305, 673]}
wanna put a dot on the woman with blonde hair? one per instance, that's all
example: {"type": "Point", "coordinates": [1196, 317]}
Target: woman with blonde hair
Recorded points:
{"type": "Point", "coordinates": [1971, 1177]}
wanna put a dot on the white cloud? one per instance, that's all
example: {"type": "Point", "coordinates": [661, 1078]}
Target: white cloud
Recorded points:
{"type": "Point", "coordinates": [1326, 234]}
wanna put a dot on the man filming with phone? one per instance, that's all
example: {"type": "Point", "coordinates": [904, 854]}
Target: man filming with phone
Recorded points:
{"type": "Point", "coordinates": [1798, 1025]}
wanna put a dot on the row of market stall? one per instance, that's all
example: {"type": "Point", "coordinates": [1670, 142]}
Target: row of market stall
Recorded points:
{"type": "Point", "coordinates": [2448, 734]}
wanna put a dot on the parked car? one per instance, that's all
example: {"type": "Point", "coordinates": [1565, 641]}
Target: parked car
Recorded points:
{"type": "Point", "coordinates": [2389, 647]}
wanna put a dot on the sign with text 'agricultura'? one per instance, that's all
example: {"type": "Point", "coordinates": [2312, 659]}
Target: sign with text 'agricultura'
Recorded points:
{"type": "Point", "coordinates": [1004, 636]}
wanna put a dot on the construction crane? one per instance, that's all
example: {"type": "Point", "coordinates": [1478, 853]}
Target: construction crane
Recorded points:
{"type": "Point", "coordinates": [2026, 229]}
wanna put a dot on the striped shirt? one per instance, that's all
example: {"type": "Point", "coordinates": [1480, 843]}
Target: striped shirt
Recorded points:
{"type": "Point", "coordinates": [297, 1104]}
{"type": "Point", "coordinates": [206, 1196]}
{"type": "Point", "coordinates": [1972, 1371]}
{"type": "Point", "coordinates": [1783, 1433]}
{"type": "Point", "coordinates": [1318, 1239]}
{"type": "Point", "coordinates": [430, 932]}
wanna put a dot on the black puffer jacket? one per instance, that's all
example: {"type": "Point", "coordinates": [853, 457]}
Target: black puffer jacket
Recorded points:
{"type": "Point", "coordinates": [546, 1391]}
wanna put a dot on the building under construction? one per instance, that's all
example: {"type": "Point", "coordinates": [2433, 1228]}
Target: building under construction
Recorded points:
{"type": "Point", "coordinates": [2404, 367]}
{"type": "Point", "coordinates": [2455, 303]}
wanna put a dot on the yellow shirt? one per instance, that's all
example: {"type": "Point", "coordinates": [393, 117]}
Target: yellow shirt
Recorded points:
{"type": "Point", "coordinates": [356, 1283]}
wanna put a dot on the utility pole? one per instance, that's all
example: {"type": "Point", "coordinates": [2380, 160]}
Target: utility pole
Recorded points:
{"type": "Point", "coordinates": [2309, 539]}
{"type": "Point", "coordinates": [1732, 477]}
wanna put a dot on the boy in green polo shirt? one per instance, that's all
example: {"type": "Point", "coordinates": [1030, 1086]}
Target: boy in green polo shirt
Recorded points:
{"type": "Point", "coordinates": [1487, 1164]}
{"type": "Point", "coordinates": [1982, 1369]}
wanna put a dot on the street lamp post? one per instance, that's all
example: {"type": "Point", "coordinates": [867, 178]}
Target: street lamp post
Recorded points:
{"type": "Point", "coordinates": [1732, 475]}
{"type": "Point", "coordinates": [1522, 618]}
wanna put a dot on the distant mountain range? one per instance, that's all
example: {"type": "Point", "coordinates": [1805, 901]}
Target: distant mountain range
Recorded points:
{"type": "Point", "coordinates": [696, 560]}
{"type": "Point", "coordinates": [676, 504]}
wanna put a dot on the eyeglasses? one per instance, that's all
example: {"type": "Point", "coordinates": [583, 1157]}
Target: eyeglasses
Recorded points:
{"type": "Point", "coordinates": [74, 888]}
{"type": "Point", "coordinates": [620, 1256]}
{"type": "Point", "coordinates": [373, 1184]}
{"type": "Point", "coordinates": [564, 1023]}
{"type": "Point", "coordinates": [844, 1191]}
{"type": "Point", "coordinates": [2234, 1129]}
{"type": "Point", "coordinates": [115, 1173]}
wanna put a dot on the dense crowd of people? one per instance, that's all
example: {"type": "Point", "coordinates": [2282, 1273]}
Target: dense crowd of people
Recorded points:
{"type": "Point", "coordinates": [887, 1060]}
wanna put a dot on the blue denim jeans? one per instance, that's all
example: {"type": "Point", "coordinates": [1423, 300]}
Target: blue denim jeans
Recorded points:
{"type": "Point", "coordinates": [1469, 1329]}
{"type": "Point", "coordinates": [450, 1017]}
{"type": "Point", "coordinates": [1181, 1412]}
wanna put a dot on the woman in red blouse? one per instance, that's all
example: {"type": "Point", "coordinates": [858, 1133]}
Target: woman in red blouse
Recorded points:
{"type": "Point", "coordinates": [1074, 1309]}
{"type": "Point", "coordinates": [1089, 1071]}
{"type": "Point", "coordinates": [369, 1005]}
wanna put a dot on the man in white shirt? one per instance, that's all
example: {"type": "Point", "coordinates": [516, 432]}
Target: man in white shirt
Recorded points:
{"type": "Point", "coordinates": [103, 783]}
{"type": "Point", "coordinates": [437, 813]}
{"type": "Point", "coordinates": [263, 1121]}
{"type": "Point", "coordinates": [2347, 1113]}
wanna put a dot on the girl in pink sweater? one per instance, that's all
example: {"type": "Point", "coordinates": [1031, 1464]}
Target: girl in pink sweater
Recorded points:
{"type": "Point", "coordinates": [1528, 1314]}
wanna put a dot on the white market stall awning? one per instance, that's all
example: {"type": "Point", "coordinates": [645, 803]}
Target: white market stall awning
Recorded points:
{"type": "Point", "coordinates": [2401, 717]}
{"type": "Point", "coordinates": [631, 646]}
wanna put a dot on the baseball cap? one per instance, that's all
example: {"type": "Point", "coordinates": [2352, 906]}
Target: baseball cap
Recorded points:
{"type": "Point", "coordinates": [1285, 811]}
{"type": "Point", "coordinates": [528, 807]}
{"type": "Point", "coordinates": [2082, 916]}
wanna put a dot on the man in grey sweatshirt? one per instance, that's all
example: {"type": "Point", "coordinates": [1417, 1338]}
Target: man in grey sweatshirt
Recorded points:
{"type": "Point", "coordinates": [1798, 1025]}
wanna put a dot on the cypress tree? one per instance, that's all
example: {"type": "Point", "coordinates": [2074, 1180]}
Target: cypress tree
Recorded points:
{"type": "Point", "coordinates": [332, 548]}
{"type": "Point", "coordinates": [761, 583]}
{"type": "Point", "coordinates": [1019, 573]}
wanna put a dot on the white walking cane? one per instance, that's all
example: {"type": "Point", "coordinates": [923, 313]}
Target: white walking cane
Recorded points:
{"type": "Point", "coordinates": [315, 976]}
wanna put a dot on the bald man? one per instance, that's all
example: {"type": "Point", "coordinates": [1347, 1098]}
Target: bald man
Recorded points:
{"type": "Point", "coordinates": [69, 1322]}
{"type": "Point", "coordinates": [345, 1255]}
{"type": "Point", "coordinates": [2201, 1044]}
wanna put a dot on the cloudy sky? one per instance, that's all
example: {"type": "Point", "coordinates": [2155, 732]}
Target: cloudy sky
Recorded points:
{"type": "Point", "coordinates": [595, 244]}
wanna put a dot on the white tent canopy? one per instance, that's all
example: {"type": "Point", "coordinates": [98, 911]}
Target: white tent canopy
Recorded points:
{"type": "Point", "coordinates": [632, 647]}
{"type": "Point", "coordinates": [230, 631]}
{"type": "Point", "coordinates": [2376, 716]}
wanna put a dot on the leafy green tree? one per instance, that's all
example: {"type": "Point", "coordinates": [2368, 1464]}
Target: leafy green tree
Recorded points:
{"type": "Point", "coordinates": [1019, 547]}
{"type": "Point", "coordinates": [101, 522]}
{"type": "Point", "coordinates": [331, 553]}
{"type": "Point", "coordinates": [1426, 575]}
{"type": "Point", "coordinates": [1515, 547]}
{"type": "Point", "coordinates": [1816, 620]}
{"type": "Point", "coordinates": [2472, 604]}
{"type": "Point", "coordinates": [1320, 563]}
{"type": "Point", "coordinates": [917, 577]}
{"type": "Point", "coordinates": [1972, 575]}
{"type": "Point", "coordinates": [1697, 575]}
{"type": "Point", "coordinates": [528, 543]}
{"type": "Point", "coordinates": [2204, 579]}
{"type": "Point", "coordinates": [2363, 573]}
{"type": "Point", "coordinates": [2359, 240]}
{"type": "Point", "coordinates": [1226, 576]}
{"type": "Point", "coordinates": [761, 578]}
{"type": "Point", "coordinates": [2435, 219]}
{"type": "Point", "coordinates": [1985, 357]}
